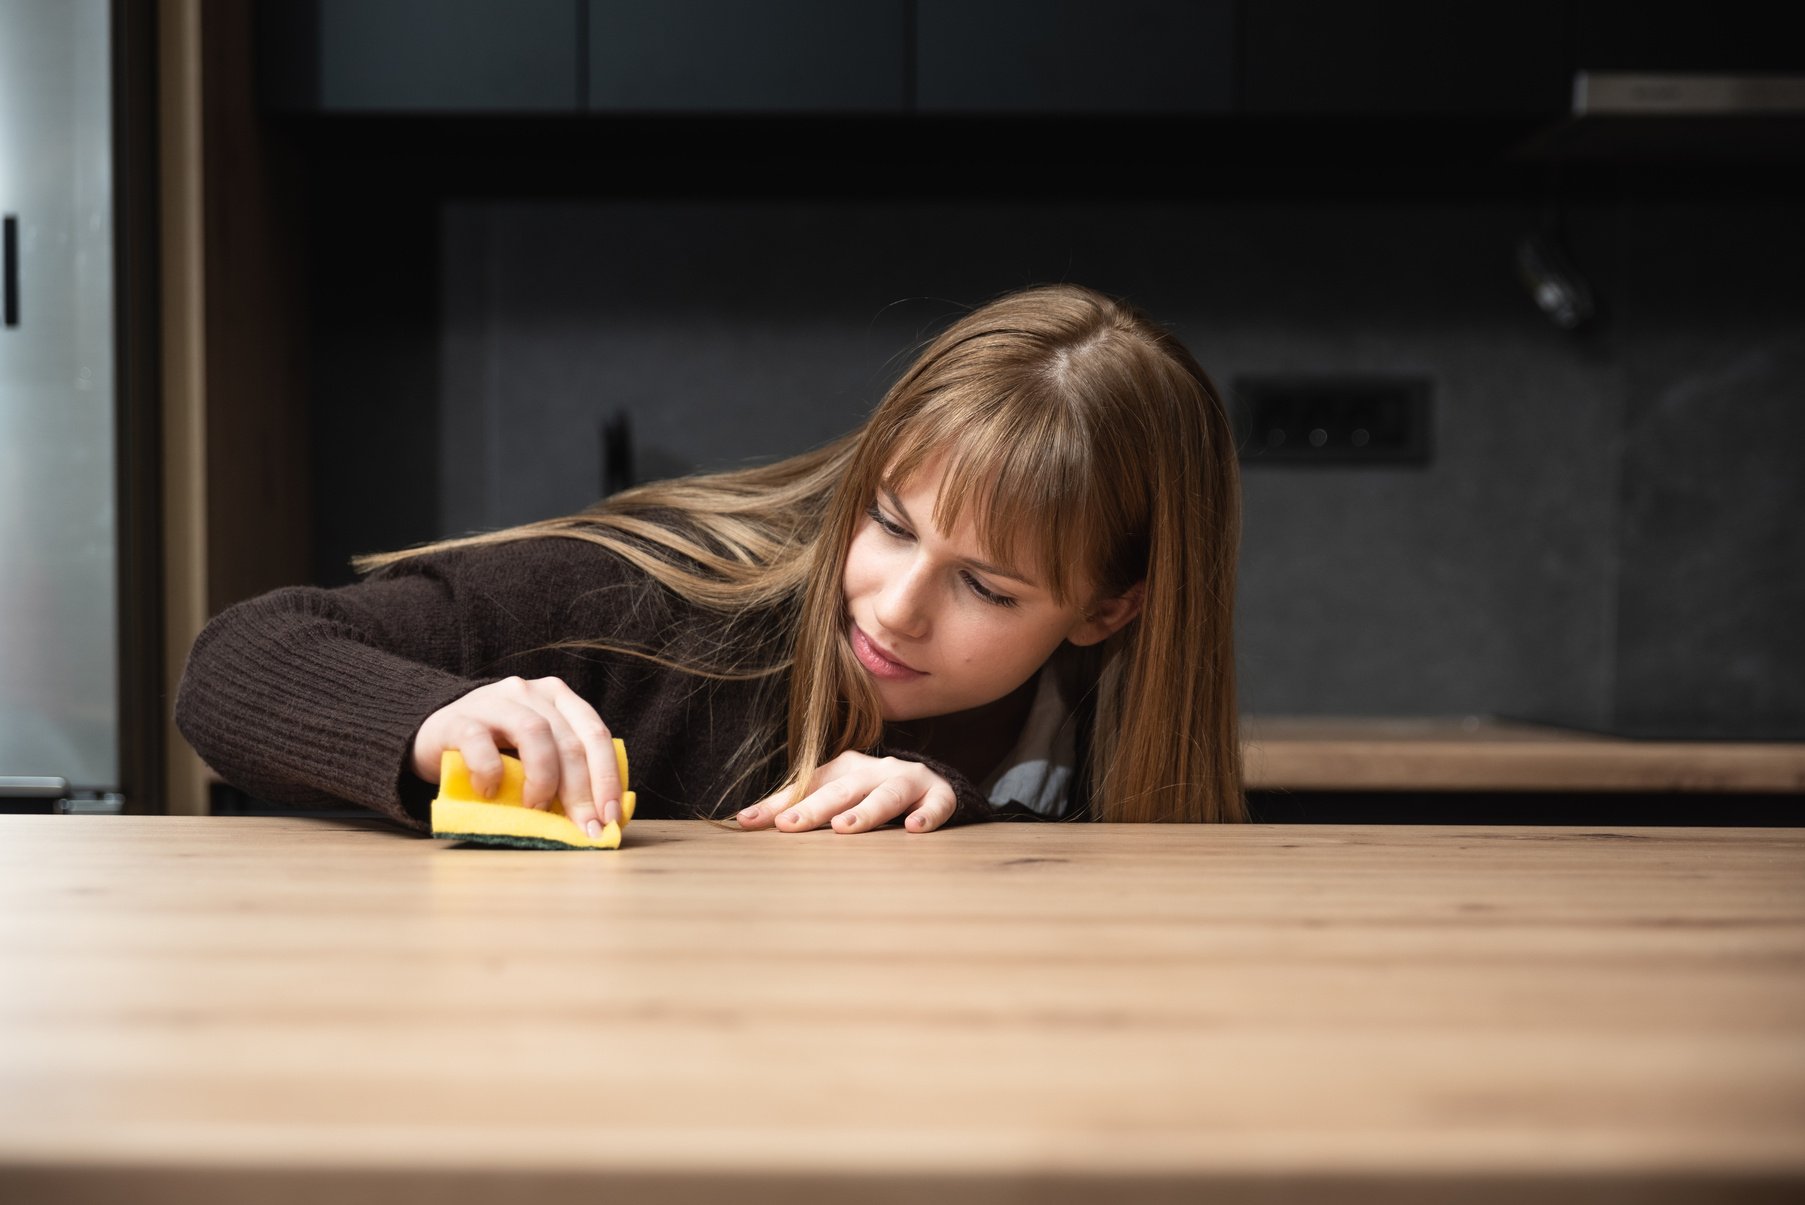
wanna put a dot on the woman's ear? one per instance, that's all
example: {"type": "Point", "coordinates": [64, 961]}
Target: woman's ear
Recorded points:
{"type": "Point", "coordinates": [1108, 617]}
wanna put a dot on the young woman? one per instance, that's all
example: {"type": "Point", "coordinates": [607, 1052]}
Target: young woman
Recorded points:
{"type": "Point", "coordinates": [1009, 594]}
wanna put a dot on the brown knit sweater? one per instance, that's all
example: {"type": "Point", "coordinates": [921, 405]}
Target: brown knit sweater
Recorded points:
{"type": "Point", "coordinates": [308, 695]}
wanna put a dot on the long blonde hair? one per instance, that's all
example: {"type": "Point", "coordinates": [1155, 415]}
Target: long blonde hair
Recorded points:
{"type": "Point", "coordinates": [1088, 442]}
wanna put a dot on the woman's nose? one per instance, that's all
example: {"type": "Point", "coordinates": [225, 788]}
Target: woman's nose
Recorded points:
{"type": "Point", "coordinates": [902, 604]}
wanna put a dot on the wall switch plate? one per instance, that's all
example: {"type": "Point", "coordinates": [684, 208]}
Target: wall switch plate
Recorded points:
{"type": "Point", "coordinates": [1331, 419]}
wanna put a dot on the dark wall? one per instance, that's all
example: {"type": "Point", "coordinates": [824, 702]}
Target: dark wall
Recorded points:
{"type": "Point", "coordinates": [1606, 534]}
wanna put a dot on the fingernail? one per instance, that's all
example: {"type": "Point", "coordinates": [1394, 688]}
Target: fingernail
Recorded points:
{"type": "Point", "coordinates": [611, 811]}
{"type": "Point", "coordinates": [594, 829]}
{"type": "Point", "coordinates": [792, 818]}
{"type": "Point", "coordinates": [851, 819]}
{"type": "Point", "coordinates": [750, 813]}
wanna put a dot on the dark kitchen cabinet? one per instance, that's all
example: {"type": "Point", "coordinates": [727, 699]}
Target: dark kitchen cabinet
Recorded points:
{"type": "Point", "coordinates": [1403, 58]}
{"type": "Point", "coordinates": [1174, 57]}
{"type": "Point", "coordinates": [1255, 83]}
{"type": "Point", "coordinates": [526, 57]}
{"type": "Point", "coordinates": [728, 56]}
{"type": "Point", "coordinates": [419, 56]}
{"type": "Point", "coordinates": [1725, 37]}
{"type": "Point", "coordinates": [1178, 58]}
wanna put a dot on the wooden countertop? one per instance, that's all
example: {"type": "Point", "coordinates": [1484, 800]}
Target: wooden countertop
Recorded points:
{"type": "Point", "coordinates": [203, 1009]}
{"type": "Point", "coordinates": [1478, 753]}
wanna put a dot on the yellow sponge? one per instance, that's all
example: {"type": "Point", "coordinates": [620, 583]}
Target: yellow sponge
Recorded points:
{"type": "Point", "coordinates": [460, 813]}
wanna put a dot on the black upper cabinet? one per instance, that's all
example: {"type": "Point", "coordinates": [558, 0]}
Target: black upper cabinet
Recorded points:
{"type": "Point", "coordinates": [935, 57]}
{"type": "Point", "coordinates": [1173, 57]}
{"type": "Point", "coordinates": [419, 56]}
{"type": "Point", "coordinates": [1754, 37]}
{"type": "Point", "coordinates": [730, 56]}
{"type": "Point", "coordinates": [571, 56]}
{"type": "Point", "coordinates": [1403, 58]}
{"type": "Point", "coordinates": [1315, 59]}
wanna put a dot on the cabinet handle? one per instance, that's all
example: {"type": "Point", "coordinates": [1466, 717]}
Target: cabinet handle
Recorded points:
{"type": "Point", "coordinates": [11, 270]}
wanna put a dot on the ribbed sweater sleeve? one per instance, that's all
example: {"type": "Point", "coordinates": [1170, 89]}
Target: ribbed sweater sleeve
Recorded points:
{"type": "Point", "coordinates": [307, 694]}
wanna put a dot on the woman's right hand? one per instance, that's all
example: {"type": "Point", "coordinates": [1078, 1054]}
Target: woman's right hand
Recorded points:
{"type": "Point", "coordinates": [566, 750]}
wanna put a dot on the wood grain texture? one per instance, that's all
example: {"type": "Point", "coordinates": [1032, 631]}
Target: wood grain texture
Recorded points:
{"type": "Point", "coordinates": [202, 1009]}
{"type": "Point", "coordinates": [1476, 753]}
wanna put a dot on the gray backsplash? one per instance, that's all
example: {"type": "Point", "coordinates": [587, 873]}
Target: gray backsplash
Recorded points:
{"type": "Point", "coordinates": [1608, 533]}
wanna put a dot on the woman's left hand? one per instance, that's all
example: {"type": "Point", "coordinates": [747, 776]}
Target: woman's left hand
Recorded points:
{"type": "Point", "coordinates": [855, 793]}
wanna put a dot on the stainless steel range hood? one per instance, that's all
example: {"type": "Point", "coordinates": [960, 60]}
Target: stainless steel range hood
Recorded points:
{"type": "Point", "coordinates": [1635, 116]}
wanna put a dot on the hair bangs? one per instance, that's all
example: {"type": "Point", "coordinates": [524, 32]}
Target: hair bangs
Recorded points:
{"type": "Point", "coordinates": [1019, 461]}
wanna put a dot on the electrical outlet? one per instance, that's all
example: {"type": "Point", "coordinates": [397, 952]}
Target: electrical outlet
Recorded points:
{"type": "Point", "coordinates": [1330, 419]}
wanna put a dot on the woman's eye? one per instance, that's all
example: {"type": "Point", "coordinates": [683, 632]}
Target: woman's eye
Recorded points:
{"type": "Point", "coordinates": [877, 516]}
{"type": "Point", "coordinates": [994, 599]}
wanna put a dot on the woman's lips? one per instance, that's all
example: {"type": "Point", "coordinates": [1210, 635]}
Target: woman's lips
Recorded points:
{"type": "Point", "coordinates": [878, 662]}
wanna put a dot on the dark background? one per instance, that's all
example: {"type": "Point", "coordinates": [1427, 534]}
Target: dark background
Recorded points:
{"type": "Point", "coordinates": [525, 220]}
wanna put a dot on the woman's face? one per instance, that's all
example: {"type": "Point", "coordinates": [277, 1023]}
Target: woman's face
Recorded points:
{"type": "Point", "coordinates": [936, 628]}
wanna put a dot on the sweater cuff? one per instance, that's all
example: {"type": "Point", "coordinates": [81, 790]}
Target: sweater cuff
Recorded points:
{"type": "Point", "coordinates": [970, 807]}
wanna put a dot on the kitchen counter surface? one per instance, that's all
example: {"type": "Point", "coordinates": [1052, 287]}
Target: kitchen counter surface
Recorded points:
{"type": "Point", "coordinates": [202, 1009]}
{"type": "Point", "coordinates": [1477, 753]}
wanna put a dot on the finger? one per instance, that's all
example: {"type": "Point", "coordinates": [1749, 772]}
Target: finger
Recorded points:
{"type": "Point", "coordinates": [937, 807]}
{"type": "Point", "coordinates": [481, 758]}
{"type": "Point", "coordinates": [549, 752]}
{"type": "Point", "coordinates": [762, 813]}
{"type": "Point", "coordinates": [888, 800]}
{"type": "Point", "coordinates": [821, 805]}
{"type": "Point", "coordinates": [605, 789]}
{"type": "Point", "coordinates": [766, 811]}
